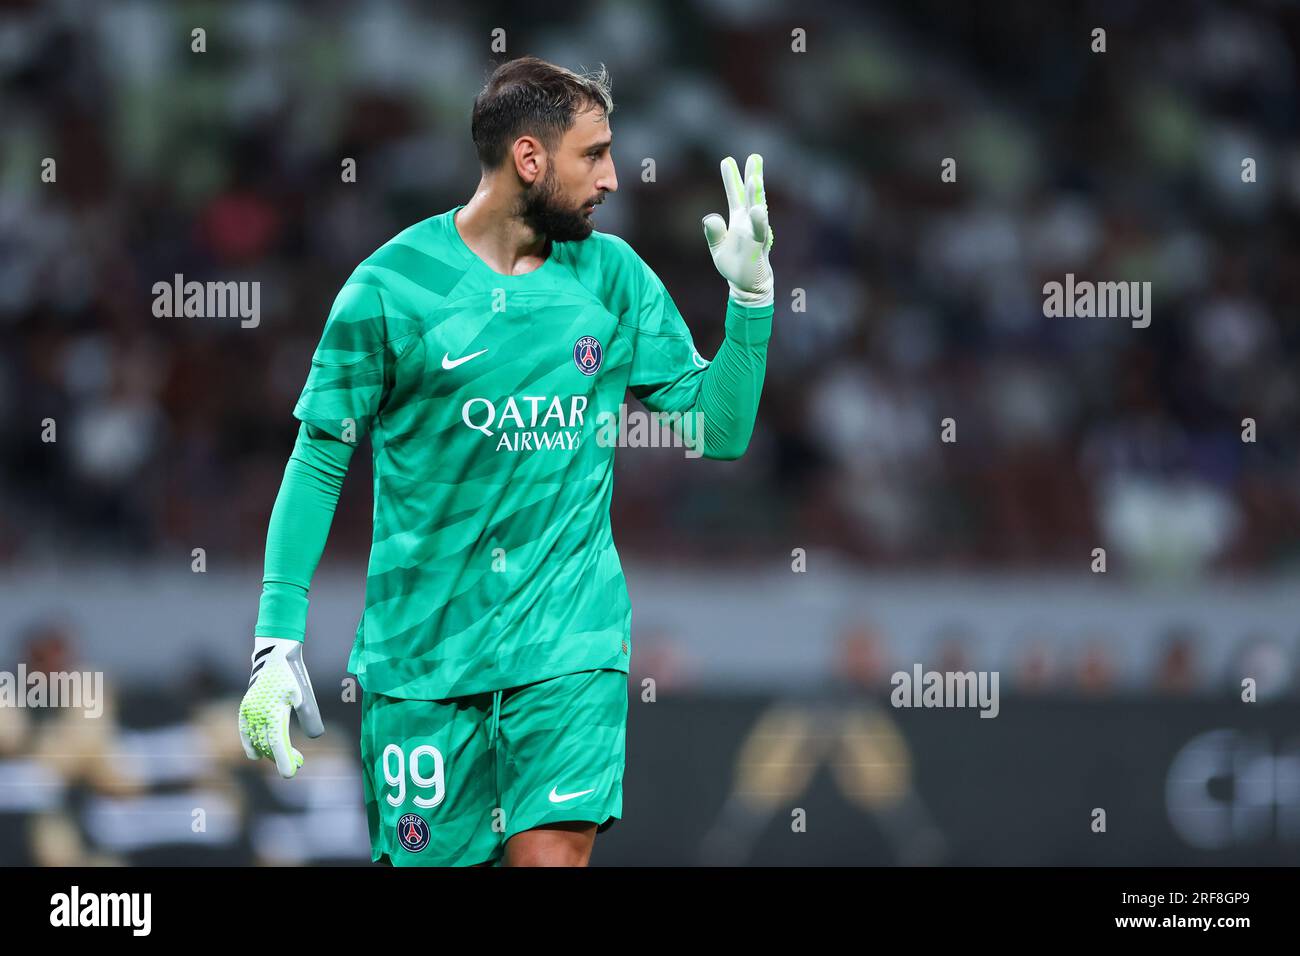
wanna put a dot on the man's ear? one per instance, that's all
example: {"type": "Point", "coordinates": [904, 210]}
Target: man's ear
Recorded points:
{"type": "Point", "coordinates": [529, 159]}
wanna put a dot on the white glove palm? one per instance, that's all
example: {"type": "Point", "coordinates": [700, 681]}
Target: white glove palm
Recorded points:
{"type": "Point", "coordinates": [740, 245]}
{"type": "Point", "coordinates": [279, 682]}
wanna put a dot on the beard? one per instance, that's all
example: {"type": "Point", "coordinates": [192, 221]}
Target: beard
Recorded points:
{"type": "Point", "coordinates": [545, 212]}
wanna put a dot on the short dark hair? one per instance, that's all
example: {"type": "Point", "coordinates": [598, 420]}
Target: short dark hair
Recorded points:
{"type": "Point", "coordinates": [529, 95]}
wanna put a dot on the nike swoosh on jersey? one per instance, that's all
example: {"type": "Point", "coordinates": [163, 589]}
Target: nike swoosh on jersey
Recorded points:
{"type": "Point", "coordinates": [449, 363]}
{"type": "Point", "coordinates": [561, 797]}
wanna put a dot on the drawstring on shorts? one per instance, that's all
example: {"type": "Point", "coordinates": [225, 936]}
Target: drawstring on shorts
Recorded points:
{"type": "Point", "coordinates": [496, 719]}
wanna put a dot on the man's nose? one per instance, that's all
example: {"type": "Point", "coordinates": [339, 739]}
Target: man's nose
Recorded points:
{"type": "Point", "coordinates": [608, 182]}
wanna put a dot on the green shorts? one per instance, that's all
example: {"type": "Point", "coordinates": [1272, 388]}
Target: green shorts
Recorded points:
{"type": "Point", "coordinates": [447, 782]}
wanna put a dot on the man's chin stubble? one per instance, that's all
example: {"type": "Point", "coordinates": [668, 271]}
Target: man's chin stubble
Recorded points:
{"type": "Point", "coordinates": [556, 226]}
{"type": "Point", "coordinates": [564, 227]}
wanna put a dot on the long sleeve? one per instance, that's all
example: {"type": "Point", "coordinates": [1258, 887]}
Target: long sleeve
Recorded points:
{"type": "Point", "coordinates": [731, 385]}
{"type": "Point", "coordinates": [669, 374]}
{"type": "Point", "coordinates": [300, 523]}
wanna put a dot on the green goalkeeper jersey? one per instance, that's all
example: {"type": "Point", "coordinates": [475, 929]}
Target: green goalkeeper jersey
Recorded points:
{"type": "Point", "coordinates": [484, 396]}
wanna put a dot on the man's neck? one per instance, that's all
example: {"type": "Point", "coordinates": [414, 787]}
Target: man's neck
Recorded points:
{"type": "Point", "coordinates": [504, 243]}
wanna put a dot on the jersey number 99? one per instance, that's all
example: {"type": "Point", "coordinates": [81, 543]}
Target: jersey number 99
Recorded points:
{"type": "Point", "coordinates": [396, 778]}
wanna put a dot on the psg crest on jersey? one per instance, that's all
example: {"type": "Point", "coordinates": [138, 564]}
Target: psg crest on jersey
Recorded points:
{"type": "Point", "coordinates": [587, 355]}
{"type": "Point", "coordinates": [412, 832]}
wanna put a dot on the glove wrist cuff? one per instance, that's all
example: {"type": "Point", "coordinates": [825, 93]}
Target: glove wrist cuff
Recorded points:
{"type": "Point", "coordinates": [753, 300]}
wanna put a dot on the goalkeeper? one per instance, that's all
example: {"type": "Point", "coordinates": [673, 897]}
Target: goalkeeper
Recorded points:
{"type": "Point", "coordinates": [479, 350]}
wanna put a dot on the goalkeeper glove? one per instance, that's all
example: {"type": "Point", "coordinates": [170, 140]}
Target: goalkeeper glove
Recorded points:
{"type": "Point", "coordinates": [739, 246]}
{"type": "Point", "coordinates": [279, 682]}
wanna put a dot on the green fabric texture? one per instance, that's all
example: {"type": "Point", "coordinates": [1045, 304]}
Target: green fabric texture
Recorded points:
{"type": "Point", "coordinates": [300, 523]}
{"type": "Point", "coordinates": [488, 401]}
{"type": "Point", "coordinates": [731, 385]}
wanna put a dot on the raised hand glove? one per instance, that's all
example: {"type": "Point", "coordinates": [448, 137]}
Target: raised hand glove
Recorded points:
{"type": "Point", "coordinates": [739, 246]}
{"type": "Point", "coordinates": [279, 682]}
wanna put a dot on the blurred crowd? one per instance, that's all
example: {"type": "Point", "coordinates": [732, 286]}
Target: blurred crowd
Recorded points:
{"type": "Point", "coordinates": [902, 300]}
{"type": "Point", "coordinates": [159, 777]}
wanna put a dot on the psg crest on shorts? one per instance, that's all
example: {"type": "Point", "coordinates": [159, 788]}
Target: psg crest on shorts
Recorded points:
{"type": "Point", "coordinates": [587, 355]}
{"type": "Point", "coordinates": [412, 832]}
